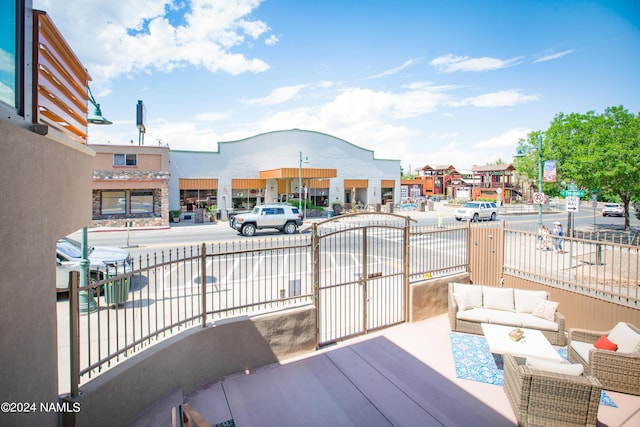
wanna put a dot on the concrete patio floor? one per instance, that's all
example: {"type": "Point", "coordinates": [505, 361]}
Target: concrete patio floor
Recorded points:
{"type": "Point", "coordinates": [402, 376]}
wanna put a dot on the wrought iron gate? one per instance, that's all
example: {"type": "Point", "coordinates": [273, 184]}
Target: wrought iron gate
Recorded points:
{"type": "Point", "coordinates": [360, 269]}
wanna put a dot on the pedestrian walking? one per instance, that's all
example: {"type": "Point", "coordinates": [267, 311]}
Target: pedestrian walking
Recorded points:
{"type": "Point", "coordinates": [557, 237]}
{"type": "Point", "coordinates": [544, 238]}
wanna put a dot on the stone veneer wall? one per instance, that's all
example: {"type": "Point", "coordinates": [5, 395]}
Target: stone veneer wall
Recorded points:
{"type": "Point", "coordinates": [160, 216]}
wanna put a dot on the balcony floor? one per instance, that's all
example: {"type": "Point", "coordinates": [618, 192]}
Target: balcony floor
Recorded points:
{"type": "Point", "coordinates": [400, 376]}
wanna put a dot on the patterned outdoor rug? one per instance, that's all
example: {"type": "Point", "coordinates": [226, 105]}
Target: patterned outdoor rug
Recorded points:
{"type": "Point", "coordinates": [474, 361]}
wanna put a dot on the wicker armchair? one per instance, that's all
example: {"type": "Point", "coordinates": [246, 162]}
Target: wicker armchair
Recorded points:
{"type": "Point", "coordinates": [616, 371]}
{"type": "Point", "coordinates": [545, 398]}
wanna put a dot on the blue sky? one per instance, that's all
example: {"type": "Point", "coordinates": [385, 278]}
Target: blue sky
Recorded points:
{"type": "Point", "coordinates": [420, 81]}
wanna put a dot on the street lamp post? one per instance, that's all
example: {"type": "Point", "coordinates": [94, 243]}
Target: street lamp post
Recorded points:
{"type": "Point", "coordinates": [306, 160]}
{"type": "Point", "coordinates": [539, 189]}
{"type": "Point", "coordinates": [87, 303]}
{"type": "Point", "coordinates": [540, 178]}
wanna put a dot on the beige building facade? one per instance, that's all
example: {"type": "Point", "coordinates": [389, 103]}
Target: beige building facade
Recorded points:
{"type": "Point", "coordinates": [130, 186]}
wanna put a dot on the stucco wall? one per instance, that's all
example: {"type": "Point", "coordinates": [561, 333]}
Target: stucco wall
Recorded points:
{"type": "Point", "coordinates": [430, 298]}
{"type": "Point", "coordinates": [202, 355]}
{"type": "Point", "coordinates": [45, 194]}
{"type": "Point", "coordinates": [192, 359]}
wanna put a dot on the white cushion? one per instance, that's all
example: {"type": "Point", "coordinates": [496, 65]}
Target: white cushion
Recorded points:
{"type": "Point", "coordinates": [474, 292]}
{"type": "Point", "coordinates": [582, 348]}
{"type": "Point", "coordinates": [626, 338]}
{"type": "Point", "coordinates": [463, 301]}
{"type": "Point", "coordinates": [532, 322]}
{"type": "Point", "coordinates": [575, 369]}
{"type": "Point", "coordinates": [525, 301]}
{"type": "Point", "coordinates": [473, 315]}
{"type": "Point", "coordinates": [546, 309]}
{"type": "Point", "coordinates": [498, 298]}
{"type": "Point", "coordinates": [501, 317]}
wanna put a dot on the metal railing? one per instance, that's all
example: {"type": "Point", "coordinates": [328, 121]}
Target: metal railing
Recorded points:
{"type": "Point", "coordinates": [605, 269]}
{"type": "Point", "coordinates": [438, 251]}
{"type": "Point", "coordinates": [170, 291]}
{"type": "Point", "coordinates": [177, 289]}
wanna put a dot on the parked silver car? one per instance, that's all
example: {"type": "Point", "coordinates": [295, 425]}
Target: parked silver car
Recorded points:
{"type": "Point", "coordinates": [476, 211]}
{"type": "Point", "coordinates": [103, 262]}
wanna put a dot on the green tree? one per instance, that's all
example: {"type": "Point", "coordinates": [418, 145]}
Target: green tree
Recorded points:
{"type": "Point", "coordinates": [593, 150]}
{"type": "Point", "coordinates": [526, 162]}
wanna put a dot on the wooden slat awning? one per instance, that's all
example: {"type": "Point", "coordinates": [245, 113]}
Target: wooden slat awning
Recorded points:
{"type": "Point", "coordinates": [247, 183]}
{"type": "Point", "coordinates": [313, 173]}
{"type": "Point", "coordinates": [198, 183]}
{"type": "Point", "coordinates": [388, 183]}
{"type": "Point", "coordinates": [356, 183]}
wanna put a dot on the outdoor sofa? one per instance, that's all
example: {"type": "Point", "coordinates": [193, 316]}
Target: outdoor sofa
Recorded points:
{"type": "Point", "coordinates": [543, 398]}
{"type": "Point", "coordinates": [618, 367]}
{"type": "Point", "coordinates": [471, 305]}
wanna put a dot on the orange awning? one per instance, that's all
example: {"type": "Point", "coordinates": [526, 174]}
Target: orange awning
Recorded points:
{"type": "Point", "coordinates": [291, 173]}
{"type": "Point", "coordinates": [198, 183]}
{"type": "Point", "coordinates": [356, 183]}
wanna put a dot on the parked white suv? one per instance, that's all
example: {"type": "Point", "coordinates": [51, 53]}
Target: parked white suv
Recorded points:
{"type": "Point", "coordinates": [285, 218]}
{"type": "Point", "coordinates": [476, 211]}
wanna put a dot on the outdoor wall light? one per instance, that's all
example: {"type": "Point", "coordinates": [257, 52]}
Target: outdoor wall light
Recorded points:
{"type": "Point", "coordinates": [96, 118]}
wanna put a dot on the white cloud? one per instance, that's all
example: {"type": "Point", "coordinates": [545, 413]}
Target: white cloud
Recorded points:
{"type": "Point", "coordinates": [462, 153]}
{"type": "Point", "coordinates": [133, 37]}
{"type": "Point", "coordinates": [278, 96]}
{"type": "Point", "coordinates": [212, 117]}
{"type": "Point", "coordinates": [444, 135]}
{"type": "Point", "coordinates": [7, 62]}
{"type": "Point", "coordinates": [503, 98]}
{"type": "Point", "coordinates": [451, 63]}
{"type": "Point", "coordinates": [395, 70]}
{"type": "Point", "coordinates": [553, 56]}
{"type": "Point", "coordinates": [508, 139]}
{"type": "Point", "coordinates": [6, 93]}
{"type": "Point", "coordinates": [272, 40]}
{"type": "Point", "coordinates": [324, 84]}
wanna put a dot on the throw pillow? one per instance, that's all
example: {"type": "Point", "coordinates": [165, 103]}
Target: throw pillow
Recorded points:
{"type": "Point", "coordinates": [497, 298]}
{"type": "Point", "coordinates": [626, 338]}
{"type": "Point", "coordinates": [546, 310]}
{"type": "Point", "coordinates": [525, 300]}
{"type": "Point", "coordinates": [474, 292]}
{"type": "Point", "coordinates": [463, 301]}
{"type": "Point", "coordinates": [605, 343]}
{"type": "Point", "coordinates": [575, 369]}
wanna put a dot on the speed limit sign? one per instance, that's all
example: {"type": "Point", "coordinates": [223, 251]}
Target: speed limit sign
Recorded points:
{"type": "Point", "coordinates": [538, 198]}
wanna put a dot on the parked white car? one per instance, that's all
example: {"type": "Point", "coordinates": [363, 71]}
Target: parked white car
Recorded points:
{"type": "Point", "coordinates": [612, 209]}
{"type": "Point", "coordinates": [103, 262]}
{"type": "Point", "coordinates": [476, 211]}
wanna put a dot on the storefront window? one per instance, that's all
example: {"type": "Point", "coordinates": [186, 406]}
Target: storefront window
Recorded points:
{"type": "Point", "coordinates": [245, 199]}
{"type": "Point", "coordinates": [141, 202]}
{"type": "Point", "coordinates": [113, 203]}
{"type": "Point", "coordinates": [8, 52]}
{"type": "Point", "coordinates": [193, 199]}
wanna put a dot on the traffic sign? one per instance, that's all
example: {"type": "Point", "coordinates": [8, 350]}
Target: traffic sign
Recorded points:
{"type": "Point", "coordinates": [572, 193]}
{"type": "Point", "coordinates": [573, 204]}
{"type": "Point", "coordinates": [538, 198]}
